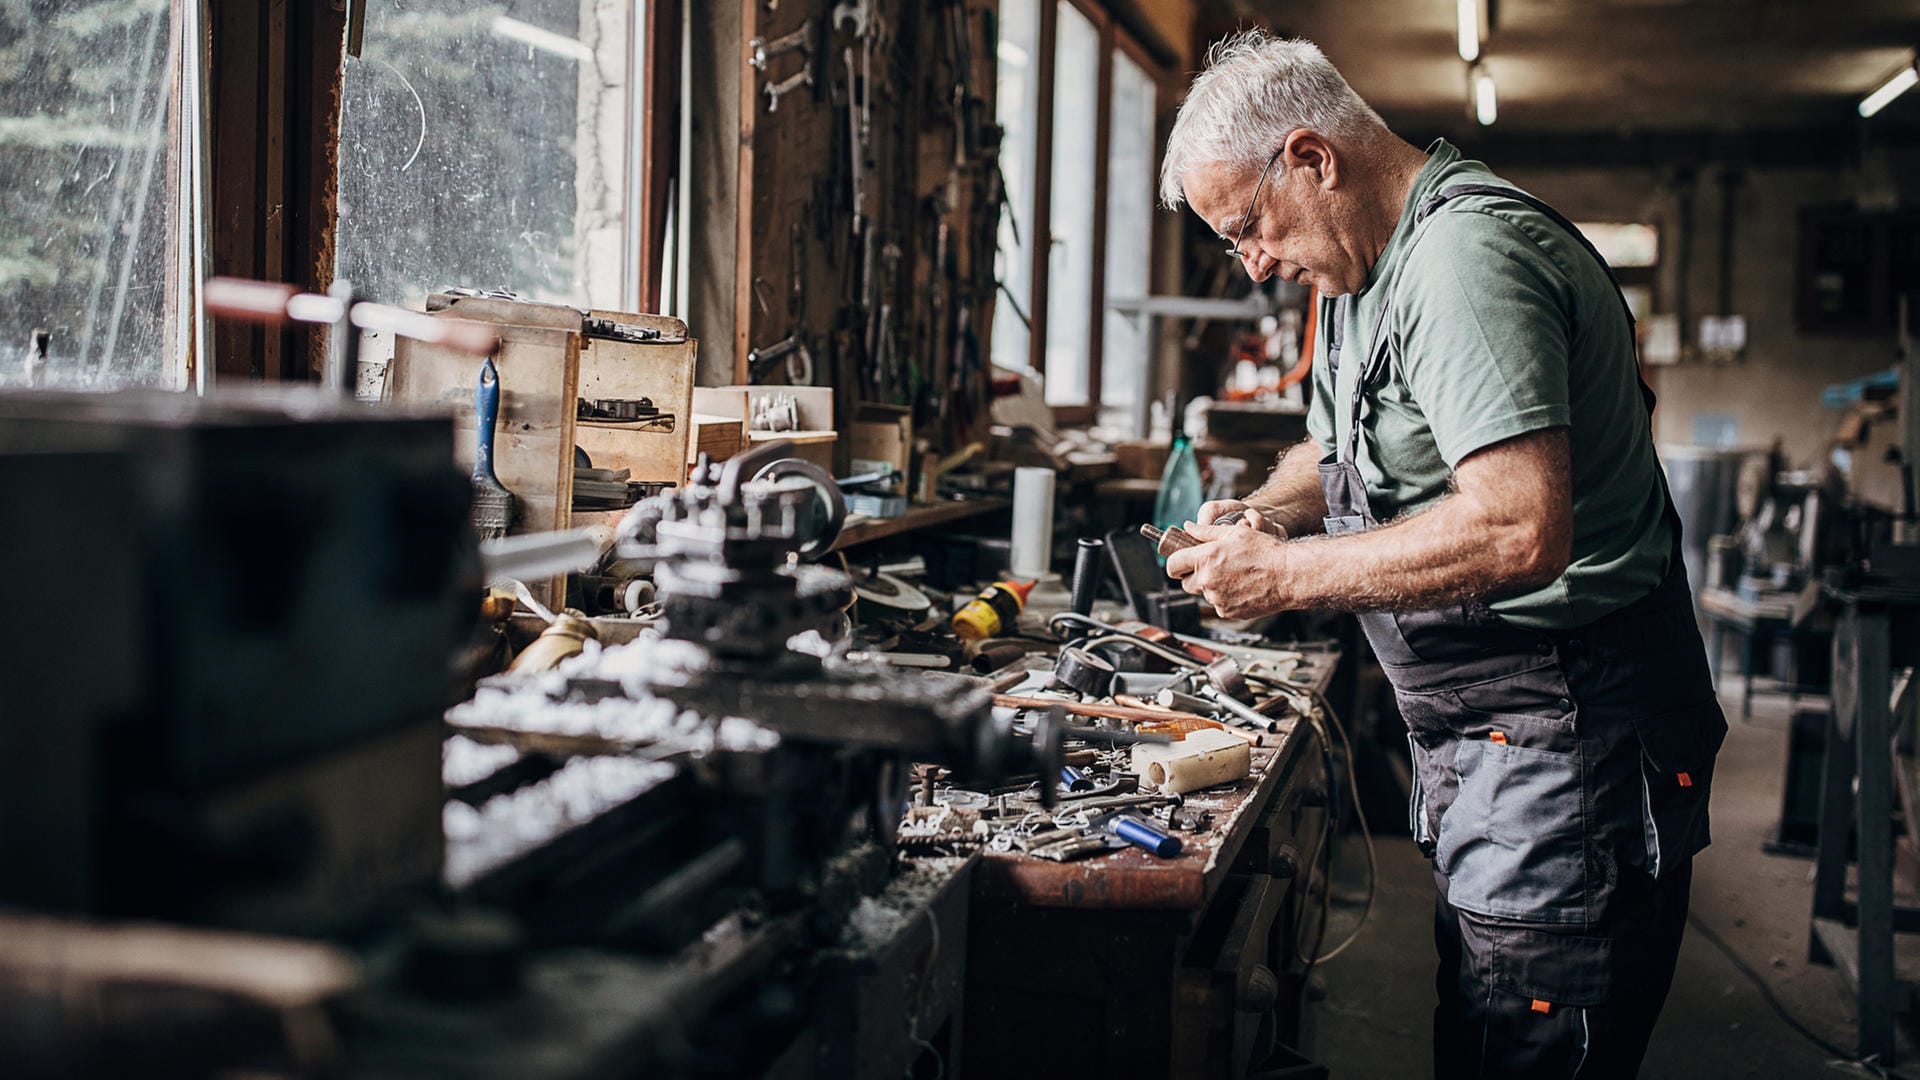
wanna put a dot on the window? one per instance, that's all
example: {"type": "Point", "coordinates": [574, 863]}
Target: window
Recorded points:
{"type": "Point", "coordinates": [1633, 251]}
{"type": "Point", "coordinates": [1017, 90]}
{"type": "Point", "coordinates": [1132, 177]}
{"type": "Point", "coordinates": [486, 145]}
{"type": "Point", "coordinates": [1079, 102]}
{"type": "Point", "coordinates": [1623, 245]}
{"type": "Point", "coordinates": [90, 189]}
{"type": "Point", "coordinates": [1070, 259]}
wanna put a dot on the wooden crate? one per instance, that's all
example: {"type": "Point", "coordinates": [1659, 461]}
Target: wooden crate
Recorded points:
{"type": "Point", "coordinates": [533, 439]}
{"type": "Point", "coordinates": [662, 373]}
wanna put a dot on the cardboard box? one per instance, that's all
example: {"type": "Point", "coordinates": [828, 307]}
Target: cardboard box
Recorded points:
{"type": "Point", "coordinates": [813, 440]}
{"type": "Point", "coordinates": [884, 433]}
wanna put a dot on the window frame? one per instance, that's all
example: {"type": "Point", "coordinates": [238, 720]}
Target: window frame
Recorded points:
{"type": "Point", "coordinates": [1113, 37]}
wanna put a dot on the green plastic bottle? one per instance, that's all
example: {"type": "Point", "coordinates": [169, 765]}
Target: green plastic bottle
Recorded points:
{"type": "Point", "coordinates": [1180, 488]}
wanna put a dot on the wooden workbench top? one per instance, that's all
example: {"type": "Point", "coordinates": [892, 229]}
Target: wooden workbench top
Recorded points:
{"type": "Point", "coordinates": [1130, 878]}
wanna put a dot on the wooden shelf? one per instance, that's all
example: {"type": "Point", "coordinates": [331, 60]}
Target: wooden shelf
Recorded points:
{"type": "Point", "coordinates": [919, 516]}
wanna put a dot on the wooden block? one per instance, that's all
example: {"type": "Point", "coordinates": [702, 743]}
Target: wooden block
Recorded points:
{"type": "Point", "coordinates": [884, 433]}
{"type": "Point", "coordinates": [814, 446]}
{"type": "Point", "coordinates": [718, 437]}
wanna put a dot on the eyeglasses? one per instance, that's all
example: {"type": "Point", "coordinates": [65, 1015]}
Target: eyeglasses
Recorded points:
{"type": "Point", "coordinates": [1234, 251]}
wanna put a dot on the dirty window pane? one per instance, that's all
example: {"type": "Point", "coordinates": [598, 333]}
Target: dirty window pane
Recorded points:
{"type": "Point", "coordinates": [1130, 187]}
{"type": "Point", "coordinates": [483, 144]}
{"type": "Point", "coordinates": [1017, 108]}
{"type": "Point", "coordinates": [1076, 102]}
{"type": "Point", "coordinates": [87, 182]}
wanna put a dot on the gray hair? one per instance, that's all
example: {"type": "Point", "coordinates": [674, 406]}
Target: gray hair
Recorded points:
{"type": "Point", "coordinates": [1256, 88]}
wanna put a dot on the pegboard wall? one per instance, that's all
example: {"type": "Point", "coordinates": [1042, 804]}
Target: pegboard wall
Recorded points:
{"type": "Point", "coordinates": [869, 170]}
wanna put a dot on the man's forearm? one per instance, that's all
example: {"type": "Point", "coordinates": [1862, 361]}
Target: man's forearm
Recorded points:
{"type": "Point", "coordinates": [1447, 555]}
{"type": "Point", "coordinates": [1292, 497]}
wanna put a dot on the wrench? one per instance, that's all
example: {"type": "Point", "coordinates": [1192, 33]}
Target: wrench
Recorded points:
{"type": "Point", "coordinates": [763, 51]}
{"type": "Point", "coordinates": [777, 90]}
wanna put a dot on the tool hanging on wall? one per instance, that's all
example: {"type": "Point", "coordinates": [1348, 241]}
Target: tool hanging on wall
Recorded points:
{"type": "Point", "coordinates": [761, 52]}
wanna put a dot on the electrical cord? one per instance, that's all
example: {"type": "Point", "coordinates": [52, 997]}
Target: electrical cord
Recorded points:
{"type": "Point", "coordinates": [1779, 1010]}
{"type": "Point", "coordinates": [1366, 834]}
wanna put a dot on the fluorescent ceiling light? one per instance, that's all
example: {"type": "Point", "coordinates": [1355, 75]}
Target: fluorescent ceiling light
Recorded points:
{"type": "Point", "coordinates": [1472, 18]}
{"type": "Point", "coordinates": [1486, 108]}
{"type": "Point", "coordinates": [544, 40]}
{"type": "Point", "coordinates": [1901, 82]}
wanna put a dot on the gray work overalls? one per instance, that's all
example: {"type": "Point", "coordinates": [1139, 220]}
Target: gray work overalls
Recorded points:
{"type": "Point", "coordinates": [1560, 787]}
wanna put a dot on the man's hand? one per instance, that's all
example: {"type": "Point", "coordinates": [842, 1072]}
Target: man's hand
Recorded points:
{"type": "Point", "coordinates": [1217, 508]}
{"type": "Point", "coordinates": [1238, 571]}
{"type": "Point", "coordinates": [1250, 516]}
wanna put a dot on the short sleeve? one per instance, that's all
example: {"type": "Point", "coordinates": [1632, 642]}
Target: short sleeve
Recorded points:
{"type": "Point", "coordinates": [1481, 316]}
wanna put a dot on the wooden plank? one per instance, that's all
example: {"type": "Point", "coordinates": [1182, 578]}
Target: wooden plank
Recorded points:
{"type": "Point", "coordinates": [273, 261]}
{"type": "Point", "coordinates": [743, 244]}
{"type": "Point", "coordinates": [923, 516]}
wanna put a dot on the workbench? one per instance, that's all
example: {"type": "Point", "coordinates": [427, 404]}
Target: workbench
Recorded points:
{"type": "Point", "coordinates": [1130, 965]}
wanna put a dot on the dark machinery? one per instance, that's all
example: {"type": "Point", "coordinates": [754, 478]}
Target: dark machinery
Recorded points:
{"type": "Point", "coordinates": [670, 858]}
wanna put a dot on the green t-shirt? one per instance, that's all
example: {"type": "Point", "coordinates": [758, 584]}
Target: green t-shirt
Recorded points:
{"type": "Point", "coordinates": [1500, 324]}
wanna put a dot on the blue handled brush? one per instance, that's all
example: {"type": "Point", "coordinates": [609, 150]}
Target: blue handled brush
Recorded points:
{"type": "Point", "coordinates": [492, 502]}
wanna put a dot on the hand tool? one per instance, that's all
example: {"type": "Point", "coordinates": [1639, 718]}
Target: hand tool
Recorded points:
{"type": "Point", "coordinates": [777, 90]}
{"type": "Point", "coordinates": [1077, 847]}
{"type": "Point", "coordinates": [762, 51]}
{"type": "Point", "coordinates": [793, 349]}
{"type": "Point", "coordinates": [1074, 779]}
{"type": "Point", "coordinates": [1141, 834]}
{"type": "Point", "coordinates": [492, 502]}
{"type": "Point", "coordinates": [1084, 708]}
{"type": "Point", "coordinates": [1084, 673]}
{"type": "Point", "coordinates": [1257, 720]}
{"type": "Point", "coordinates": [1167, 541]}
{"type": "Point", "coordinates": [1089, 558]}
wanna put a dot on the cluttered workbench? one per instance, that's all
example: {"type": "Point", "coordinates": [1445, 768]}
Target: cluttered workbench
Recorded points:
{"type": "Point", "coordinates": [1182, 966]}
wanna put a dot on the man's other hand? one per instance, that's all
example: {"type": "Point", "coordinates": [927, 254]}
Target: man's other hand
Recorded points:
{"type": "Point", "coordinates": [1236, 570]}
{"type": "Point", "coordinates": [1217, 508]}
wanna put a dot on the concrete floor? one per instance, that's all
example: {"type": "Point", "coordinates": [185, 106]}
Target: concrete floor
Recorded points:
{"type": "Point", "coordinates": [1376, 1019]}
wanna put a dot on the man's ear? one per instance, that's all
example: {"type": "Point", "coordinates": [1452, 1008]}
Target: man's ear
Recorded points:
{"type": "Point", "coordinates": [1308, 149]}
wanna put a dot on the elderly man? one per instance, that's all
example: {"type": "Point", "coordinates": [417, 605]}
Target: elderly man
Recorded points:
{"type": "Point", "coordinates": [1482, 466]}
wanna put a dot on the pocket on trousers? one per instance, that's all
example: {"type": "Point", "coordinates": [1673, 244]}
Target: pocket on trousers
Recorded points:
{"type": "Point", "coordinates": [1556, 967]}
{"type": "Point", "coordinates": [1417, 799]}
{"type": "Point", "coordinates": [1677, 749]}
{"type": "Point", "coordinates": [1513, 842]}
